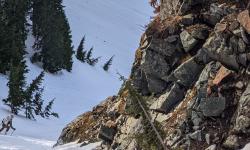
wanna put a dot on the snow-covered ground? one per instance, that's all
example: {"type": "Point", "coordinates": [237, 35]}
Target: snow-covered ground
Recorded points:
{"type": "Point", "coordinates": [26, 143]}
{"type": "Point", "coordinates": [113, 27]}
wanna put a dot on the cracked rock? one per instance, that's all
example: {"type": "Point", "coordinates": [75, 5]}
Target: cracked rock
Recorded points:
{"type": "Point", "coordinates": [187, 73]}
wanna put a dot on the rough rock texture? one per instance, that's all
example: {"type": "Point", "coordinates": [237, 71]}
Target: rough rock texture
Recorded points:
{"type": "Point", "coordinates": [86, 126]}
{"type": "Point", "coordinates": [192, 72]}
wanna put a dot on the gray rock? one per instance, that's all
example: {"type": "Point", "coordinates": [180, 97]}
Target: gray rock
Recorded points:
{"type": "Point", "coordinates": [232, 142]}
{"type": "Point", "coordinates": [233, 42]}
{"type": "Point", "coordinates": [188, 41]}
{"type": "Point", "coordinates": [241, 46]}
{"type": "Point", "coordinates": [196, 118]}
{"type": "Point", "coordinates": [202, 57]}
{"type": "Point", "coordinates": [196, 128]}
{"type": "Point", "coordinates": [216, 13]}
{"type": "Point", "coordinates": [188, 5]}
{"type": "Point", "coordinates": [215, 48]}
{"type": "Point", "coordinates": [239, 85]}
{"type": "Point", "coordinates": [156, 85]}
{"type": "Point", "coordinates": [212, 18]}
{"type": "Point", "coordinates": [234, 25]}
{"type": "Point", "coordinates": [215, 9]}
{"type": "Point", "coordinates": [139, 80]}
{"type": "Point", "coordinates": [213, 106]}
{"type": "Point", "coordinates": [203, 78]}
{"type": "Point", "coordinates": [106, 133]}
{"type": "Point", "coordinates": [187, 19]}
{"type": "Point", "coordinates": [200, 33]}
{"type": "Point", "coordinates": [156, 64]}
{"type": "Point", "coordinates": [165, 47]}
{"type": "Point", "coordinates": [243, 59]}
{"type": "Point", "coordinates": [172, 38]}
{"type": "Point", "coordinates": [211, 147]}
{"type": "Point", "coordinates": [229, 60]}
{"type": "Point", "coordinates": [242, 124]}
{"type": "Point", "coordinates": [156, 69]}
{"type": "Point", "coordinates": [187, 73]}
{"type": "Point", "coordinates": [237, 32]}
{"type": "Point", "coordinates": [207, 137]}
{"type": "Point", "coordinates": [170, 99]}
{"type": "Point", "coordinates": [196, 135]}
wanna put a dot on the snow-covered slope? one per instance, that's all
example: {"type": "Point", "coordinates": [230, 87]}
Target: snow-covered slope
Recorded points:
{"type": "Point", "coordinates": [26, 143]}
{"type": "Point", "coordinates": [113, 27]}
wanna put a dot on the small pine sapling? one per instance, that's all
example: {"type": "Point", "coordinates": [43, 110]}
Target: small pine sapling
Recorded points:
{"type": "Point", "coordinates": [108, 64]}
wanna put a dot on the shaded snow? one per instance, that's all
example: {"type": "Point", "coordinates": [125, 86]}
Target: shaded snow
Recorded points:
{"type": "Point", "coordinates": [113, 27]}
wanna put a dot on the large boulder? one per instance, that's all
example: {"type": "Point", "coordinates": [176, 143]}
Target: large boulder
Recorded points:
{"type": "Point", "coordinates": [215, 47]}
{"type": "Point", "coordinates": [188, 72]}
{"type": "Point", "coordinates": [157, 61]}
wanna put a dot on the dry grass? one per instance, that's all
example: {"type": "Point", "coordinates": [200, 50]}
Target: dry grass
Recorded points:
{"type": "Point", "coordinates": [161, 28]}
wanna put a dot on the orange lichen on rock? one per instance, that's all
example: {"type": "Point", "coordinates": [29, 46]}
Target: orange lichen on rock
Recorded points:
{"type": "Point", "coordinates": [244, 20]}
{"type": "Point", "coordinates": [221, 74]}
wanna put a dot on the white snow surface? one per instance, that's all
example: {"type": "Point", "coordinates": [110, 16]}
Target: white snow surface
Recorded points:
{"type": "Point", "coordinates": [26, 143]}
{"type": "Point", "coordinates": [113, 27]}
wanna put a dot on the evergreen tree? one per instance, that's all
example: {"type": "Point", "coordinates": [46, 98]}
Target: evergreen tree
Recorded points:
{"type": "Point", "coordinates": [93, 61]}
{"type": "Point", "coordinates": [29, 104]}
{"type": "Point", "coordinates": [80, 53]}
{"type": "Point", "coordinates": [3, 57]}
{"type": "Point", "coordinates": [89, 55]}
{"type": "Point", "coordinates": [12, 49]}
{"type": "Point", "coordinates": [52, 35]}
{"type": "Point", "coordinates": [108, 64]}
{"type": "Point", "coordinates": [13, 34]}
{"type": "Point", "coordinates": [29, 99]}
{"type": "Point", "coordinates": [68, 48]}
{"type": "Point", "coordinates": [16, 86]}
{"type": "Point", "coordinates": [38, 103]}
{"type": "Point", "coordinates": [47, 112]}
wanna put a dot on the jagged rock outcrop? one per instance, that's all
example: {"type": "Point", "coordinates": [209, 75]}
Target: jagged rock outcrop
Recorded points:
{"type": "Point", "coordinates": [191, 73]}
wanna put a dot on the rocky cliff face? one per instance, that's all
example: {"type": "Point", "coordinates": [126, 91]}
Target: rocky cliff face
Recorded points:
{"type": "Point", "coordinates": [189, 87]}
